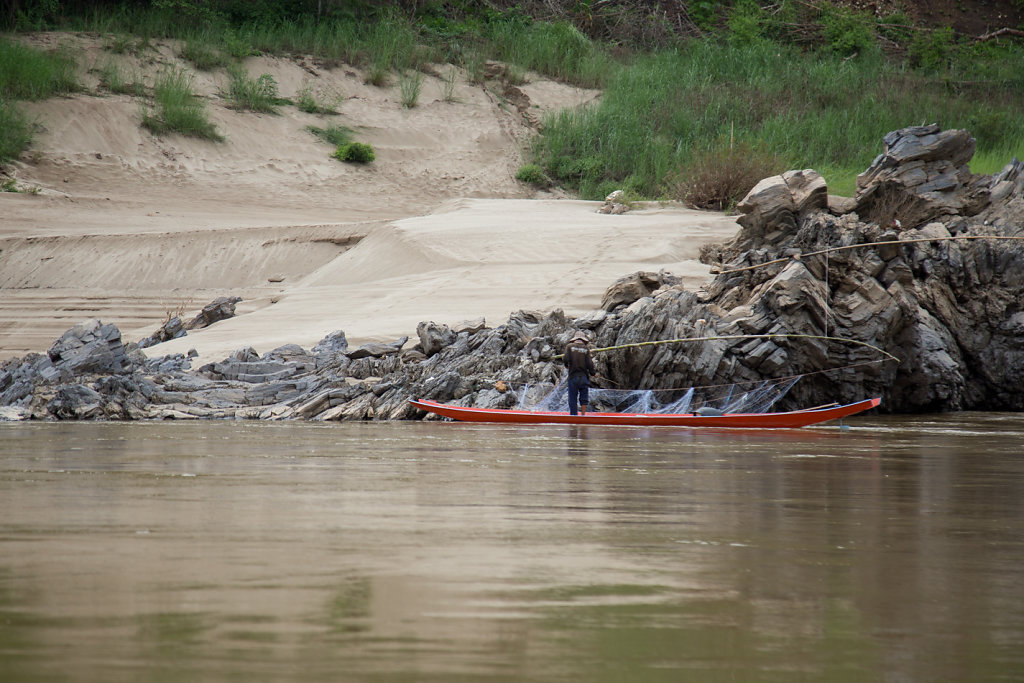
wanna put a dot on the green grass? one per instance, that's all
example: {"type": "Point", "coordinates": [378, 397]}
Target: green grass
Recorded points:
{"type": "Point", "coordinates": [355, 152]}
{"type": "Point", "coordinates": [177, 109]}
{"type": "Point", "coordinates": [203, 55]}
{"type": "Point", "coordinates": [114, 79]}
{"type": "Point", "coordinates": [16, 131]}
{"type": "Point", "coordinates": [555, 49]}
{"type": "Point", "coordinates": [30, 74]}
{"type": "Point", "coordinates": [253, 94]}
{"type": "Point", "coordinates": [680, 115]}
{"type": "Point", "coordinates": [409, 86]}
{"type": "Point", "coordinates": [661, 115]}
{"type": "Point", "coordinates": [309, 102]}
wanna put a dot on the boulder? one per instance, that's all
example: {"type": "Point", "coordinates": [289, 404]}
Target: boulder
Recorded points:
{"type": "Point", "coordinates": [333, 344]}
{"type": "Point", "coordinates": [377, 349]}
{"type": "Point", "coordinates": [921, 175]}
{"type": "Point", "coordinates": [90, 346]}
{"type": "Point", "coordinates": [614, 203]}
{"type": "Point", "coordinates": [773, 207]}
{"type": "Point", "coordinates": [434, 337]}
{"type": "Point", "coordinates": [630, 288]}
{"type": "Point", "coordinates": [171, 329]}
{"type": "Point", "coordinates": [219, 309]}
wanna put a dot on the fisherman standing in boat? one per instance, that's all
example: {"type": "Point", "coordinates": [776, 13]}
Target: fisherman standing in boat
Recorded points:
{"type": "Point", "coordinates": [581, 366]}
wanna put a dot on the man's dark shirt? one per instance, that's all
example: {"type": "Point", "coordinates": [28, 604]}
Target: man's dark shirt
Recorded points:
{"type": "Point", "coordinates": [577, 359]}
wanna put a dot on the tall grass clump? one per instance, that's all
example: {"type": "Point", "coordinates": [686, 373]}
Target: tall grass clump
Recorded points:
{"type": "Point", "coordinates": [409, 86]}
{"type": "Point", "coordinates": [177, 109]}
{"type": "Point", "coordinates": [555, 49]}
{"type": "Point", "coordinates": [15, 131]}
{"type": "Point", "coordinates": [204, 55]}
{"type": "Point", "coordinates": [253, 94]}
{"type": "Point", "coordinates": [448, 82]}
{"type": "Point", "coordinates": [30, 74]}
{"type": "Point", "coordinates": [116, 81]}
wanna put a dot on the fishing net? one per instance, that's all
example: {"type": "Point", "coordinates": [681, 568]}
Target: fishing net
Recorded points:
{"type": "Point", "coordinates": [728, 398]}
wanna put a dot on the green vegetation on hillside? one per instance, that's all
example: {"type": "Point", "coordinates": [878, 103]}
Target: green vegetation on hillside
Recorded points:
{"type": "Point", "coordinates": [668, 113]}
{"type": "Point", "coordinates": [27, 74]}
{"type": "Point", "coordinates": [177, 109]}
{"type": "Point", "coordinates": [696, 114]}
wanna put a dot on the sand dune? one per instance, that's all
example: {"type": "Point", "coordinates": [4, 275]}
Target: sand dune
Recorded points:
{"type": "Point", "coordinates": [130, 227]}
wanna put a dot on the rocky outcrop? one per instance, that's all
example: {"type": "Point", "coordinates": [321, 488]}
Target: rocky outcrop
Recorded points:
{"type": "Point", "coordinates": [219, 309]}
{"type": "Point", "coordinates": [924, 312]}
{"type": "Point", "coordinates": [629, 288]}
{"type": "Point", "coordinates": [920, 176]}
{"type": "Point", "coordinates": [771, 210]}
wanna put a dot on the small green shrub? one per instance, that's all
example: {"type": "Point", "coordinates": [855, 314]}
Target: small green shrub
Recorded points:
{"type": "Point", "coordinates": [177, 109]}
{"type": "Point", "coordinates": [335, 135]}
{"type": "Point", "coordinates": [237, 46]}
{"type": "Point", "coordinates": [355, 152]}
{"type": "Point", "coordinates": [932, 50]}
{"type": "Point", "coordinates": [746, 22]}
{"type": "Point", "coordinates": [533, 175]}
{"type": "Point", "coordinates": [847, 32]}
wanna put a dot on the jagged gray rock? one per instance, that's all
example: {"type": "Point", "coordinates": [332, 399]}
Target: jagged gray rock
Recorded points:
{"type": "Point", "coordinates": [434, 337]}
{"type": "Point", "coordinates": [90, 346]}
{"type": "Point", "coordinates": [921, 176]}
{"type": "Point", "coordinates": [629, 288]}
{"type": "Point", "coordinates": [773, 207]}
{"type": "Point", "coordinates": [219, 309]}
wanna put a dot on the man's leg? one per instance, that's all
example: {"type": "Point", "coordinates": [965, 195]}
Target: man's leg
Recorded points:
{"type": "Point", "coordinates": [573, 394]}
{"type": "Point", "coordinates": [584, 396]}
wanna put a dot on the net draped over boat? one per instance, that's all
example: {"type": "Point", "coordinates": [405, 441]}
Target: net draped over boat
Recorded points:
{"type": "Point", "coordinates": [729, 398]}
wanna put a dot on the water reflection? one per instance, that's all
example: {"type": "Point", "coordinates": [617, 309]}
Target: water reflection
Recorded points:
{"type": "Point", "coordinates": [448, 552]}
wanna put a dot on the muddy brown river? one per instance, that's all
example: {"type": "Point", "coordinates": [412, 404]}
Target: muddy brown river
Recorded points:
{"type": "Point", "coordinates": [892, 550]}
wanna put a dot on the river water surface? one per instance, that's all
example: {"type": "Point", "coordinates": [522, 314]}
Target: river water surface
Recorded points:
{"type": "Point", "coordinates": [892, 550]}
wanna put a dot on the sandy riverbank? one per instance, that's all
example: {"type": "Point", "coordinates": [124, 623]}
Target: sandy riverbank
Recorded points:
{"type": "Point", "coordinates": [128, 227]}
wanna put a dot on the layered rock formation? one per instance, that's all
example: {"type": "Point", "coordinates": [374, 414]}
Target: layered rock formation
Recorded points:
{"type": "Point", "coordinates": [925, 265]}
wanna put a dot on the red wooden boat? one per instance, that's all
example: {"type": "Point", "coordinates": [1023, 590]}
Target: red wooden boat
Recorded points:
{"type": "Point", "coordinates": [789, 420]}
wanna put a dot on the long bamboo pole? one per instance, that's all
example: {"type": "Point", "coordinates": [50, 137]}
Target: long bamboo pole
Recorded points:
{"type": "Point", "coordinates": [681, 340]}
{"type": "Point", "coordinates": [797, 257]}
